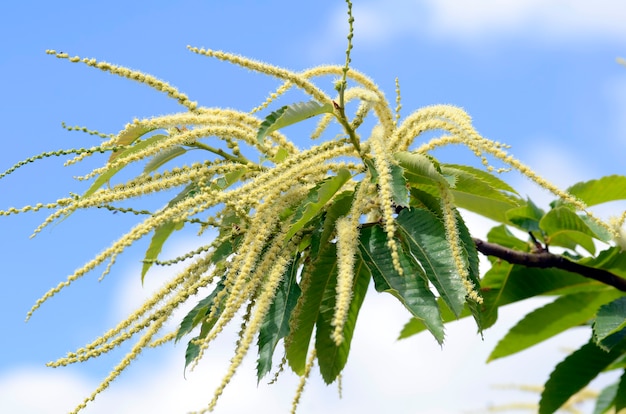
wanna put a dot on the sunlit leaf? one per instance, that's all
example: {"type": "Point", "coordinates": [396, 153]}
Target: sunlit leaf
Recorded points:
{"type": "Point", "coordinates": [565, 228]}
{"type": "Point", "coordinates": [128, 136]}
{"type": "Point", "coordinates": [419, 168]}
{"type": "Point", "coordinates": [502, 235]}
{"type": "Point", "coordinates": [229, 178]}
{"type": "Point", "coordinates": [108, 174]}
{"type": "Point", "coordinates": [477, 174]}
{"type": "Point", "coordinates": [481, 192]}
{"type": "Point", "coordinates": [291, 114]}
{"type": "Point", "coordinates": [316, 200]}
{"type": "Point", "coordinates": [602, 190]}
{"type": "Point", "coordinates": [399, 188]}
{"type": "Point", "coordinates": [163, 157]}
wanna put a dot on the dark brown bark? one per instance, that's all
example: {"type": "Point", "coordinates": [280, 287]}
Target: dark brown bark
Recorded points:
{"type": "Point", "coordinates": [544, 259]}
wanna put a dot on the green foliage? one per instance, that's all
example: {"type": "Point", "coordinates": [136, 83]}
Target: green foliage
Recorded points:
{"type": "Point", "coordinates": [575, 372]}
{"type": "Point", "coordinates": [411, 288]}
{"type": "Point", "coordinates": [316, 200]}
{"type": "Point", "coordinates": [289, 115]}
{"type": "Point", "coordinates": [276, 324]}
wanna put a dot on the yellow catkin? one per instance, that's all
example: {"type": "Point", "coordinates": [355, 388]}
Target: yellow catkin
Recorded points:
{"type": "Point", "coordinates": [133, 354]}
{"type": "Point", "coordinates": [267, 69]}
{"type": "Point", "coordinates": [172, 141]}
{"type": "Point", "coordinates": [248, 269]}
{"type": "Point", "coordinates": [456, 121]}
{"type": "Point", "coordinates": [300, 390]}
{"type": "Point", "coordinates": [144, 341]}
{"type": "Point", "coordinates": [263, 302]}
{"type": "Point", "coordinates": [85, 130]}
{"type": "Point", "coordinates": [132, 324]}
{"type": "Point", "coordinates": [149, 80]}
{"type": "Point", "coordinates": [398, 103]}
{"type": "Point", "coordinates": [273, 96]}
{"type": "Point", "coordinates": [347, 237]}
{"type": "Point", "coordinates": [347, 229]}
{"type": "Point", "coordinates": [187, 207]}
{"type": "Point", "coordinates": [454, 241]}
{"type": "Point", "coordinates": [385, 193]}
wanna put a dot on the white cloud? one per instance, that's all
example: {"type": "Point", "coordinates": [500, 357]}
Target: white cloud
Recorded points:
{"type": "Point", "coordinates": [556, 20]}
{"type": "Point", "coordinates": [382, 375]}
{"type": "Point", "coordinates": [479, 22]}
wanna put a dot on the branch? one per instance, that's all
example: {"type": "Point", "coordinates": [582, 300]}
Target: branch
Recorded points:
{"type": "Point", "coordinates": [545, 259]}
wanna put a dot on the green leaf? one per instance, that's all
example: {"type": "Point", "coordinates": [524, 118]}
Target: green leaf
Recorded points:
{"type": "Point", "coordinates": [564, 313]}
{"type": "Point", "coordinates": [163, 157]}
{"type": "Point", "coordinates": [161, 234]}
{"type": "Point", "coordinates": [601, 232]}
{"type": "Point", "coordinates": [574, 373]}
{"type": "Point", "coordinates": [425, 237]}
{"type": "Point", "coordinates": [317, 275]}
{"type": "Point", "coordinates": [128, 136]}
{"type": "Point", "coordinates": [333, 358]}
{"type": "Point", "coordinates": [476, 174]}
{"type": "Point", "coordinates": [505, 283]}
{"type": "Point", "coordinates": [612, 259]}
{"type": "Point", "coordinates": [605, 400]}
{"type": "Point", "coordinates": [610, 320]}
{"type": "Point", "coordinates": [275, 325]}
{"type": "Point", "coordinates": [108, 174]}
{"type": "Point", "coordinates": [602, 190]}
{"type": "Point", "coordinates": [199, 313]}
{"type": "Point", "coordinates": [471, 255]}
{"type": "Point", "coordinates": [526, 217]}
{"type": "Point", "coordinates": [399, 188]}
{"type": "Point", "coordinates": [481, 192]}
{"type": "Point", "coordinates": [565, 228]}
{"type": "Point", "coordinates": [164, 231]}
{"type": "Point", "coordinates": [291, 114]}
{"type": "Point", "coordinates": [316, 200]}
{"type": "Point", "coordinates": [620, 395]}
{"type": "Point", "coordinates": [192, 352]}
{"type": "Point", "coordinates": [281, 155]}
{"type": "Point", "coordinates": [415, 325]}
{"type": "Point", "coordinates": [419, 168]}
{"type": "Point", "coordinates": [411, 288]}
{"type": "Point", "coordinates": [340, 206]}
{"type": "Point", "coordinates": [502, 235]}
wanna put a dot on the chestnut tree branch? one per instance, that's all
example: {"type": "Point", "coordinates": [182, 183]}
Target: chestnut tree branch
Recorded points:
{"type": "Point", "coordinates": [544, 259]}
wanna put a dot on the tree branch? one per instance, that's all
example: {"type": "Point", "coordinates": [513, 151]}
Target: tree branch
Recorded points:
{"type": "Point", "coordinates": [545, 259]}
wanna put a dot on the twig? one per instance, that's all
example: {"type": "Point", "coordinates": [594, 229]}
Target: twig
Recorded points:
{"type": "Point", "coordinates": [544, 259]}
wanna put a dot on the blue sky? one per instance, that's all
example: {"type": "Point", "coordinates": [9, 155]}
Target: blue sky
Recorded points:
{"type": "Point", "coordinates": [538, 75]}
